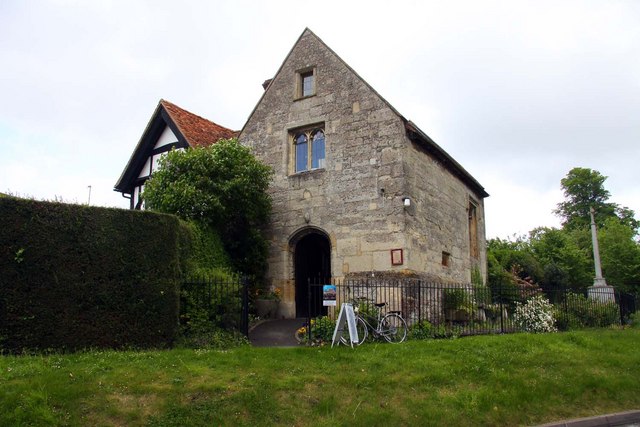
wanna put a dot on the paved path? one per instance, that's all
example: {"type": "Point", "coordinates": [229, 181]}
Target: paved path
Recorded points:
{"type": "Point", "coordinates": [276, 333]}
{"type": "Point", "coordinates": [627, 419]}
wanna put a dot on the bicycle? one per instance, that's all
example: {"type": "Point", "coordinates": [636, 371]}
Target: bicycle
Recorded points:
{"type": "Point", "coordinates": [391, 326]}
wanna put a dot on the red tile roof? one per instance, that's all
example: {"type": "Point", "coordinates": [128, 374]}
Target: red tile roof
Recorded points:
{"type": "Point", "coordinates": [198, 132]}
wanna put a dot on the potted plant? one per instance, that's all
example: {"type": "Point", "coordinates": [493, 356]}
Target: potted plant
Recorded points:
{"type": "Point", "coordinates": [267, 302]}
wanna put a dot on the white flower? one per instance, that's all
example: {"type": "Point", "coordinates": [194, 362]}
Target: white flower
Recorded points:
{"type": "Point", "coordinates": [536, 315]}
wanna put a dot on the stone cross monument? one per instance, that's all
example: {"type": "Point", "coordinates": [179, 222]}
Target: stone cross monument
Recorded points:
{"type": "Point", "coordinates": [600, 291]}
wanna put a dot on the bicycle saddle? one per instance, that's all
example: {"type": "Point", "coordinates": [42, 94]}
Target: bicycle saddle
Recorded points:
{"type": "Point", "coordinates": [380, 304]}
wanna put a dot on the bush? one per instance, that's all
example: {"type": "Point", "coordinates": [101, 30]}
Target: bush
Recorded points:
{"type": "Point", "coordinates": [458, 299]}
{"type": "Point", "coordinates": [212, 338]}
{"type": "Point", "coordinates": [427, 330]}
{"type": "Point", "coordinates": [210, 302]}
{"type": "Point", "coordinates": [536, 315]}
{"type": "Point", "coordinates": [223, 185]}
{"type": "Point", "coordinates": [73, 277]}
{"type": "Point", "coordinates": [578, 311]}
{"type": "Point", "coordinates": [566, 321]}
{"type": "Point", "coordinates": [634, 319]}
{"type": "Point", "coordinates": [322, 329]}
{"type": "Point", "coordinates": [205, 254]}
{"type": "Point", "coordinates": [482, 295]}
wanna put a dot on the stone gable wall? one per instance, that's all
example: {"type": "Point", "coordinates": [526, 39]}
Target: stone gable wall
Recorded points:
{"type": "Point", "coordinates": [364, 145]}
{"type": "Point", "coordinates": [357, 198]}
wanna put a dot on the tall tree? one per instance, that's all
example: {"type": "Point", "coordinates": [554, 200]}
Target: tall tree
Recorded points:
{"type": "Point", "coordinates": [565, 263]}
{"type": "Point", "coordinates": [620, 255]}
{"type": "Point", "coordinates": [509, 257]}
{"type": "Point", "coordinates": [563, 257]}
{"type": "Point", "coordinates": [627, 217]}
{"type": "Point", "coordinates": [583, 189]}
{"type": "Point", "coordinates": [223, 186]}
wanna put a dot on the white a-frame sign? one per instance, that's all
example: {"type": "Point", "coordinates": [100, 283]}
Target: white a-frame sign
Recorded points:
{"type": "Point", "coordinates": [346, 316]}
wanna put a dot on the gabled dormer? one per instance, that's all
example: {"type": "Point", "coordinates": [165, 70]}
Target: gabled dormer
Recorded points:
{"type": "Point", "coordinates": [170, 127]}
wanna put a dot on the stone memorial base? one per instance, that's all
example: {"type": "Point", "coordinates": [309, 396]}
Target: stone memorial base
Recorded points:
{"type": "Point", "coordinates": [601, 292]}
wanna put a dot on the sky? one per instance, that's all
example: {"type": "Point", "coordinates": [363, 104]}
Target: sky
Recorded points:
{"type": "Point", "coordinates": [518, 92]}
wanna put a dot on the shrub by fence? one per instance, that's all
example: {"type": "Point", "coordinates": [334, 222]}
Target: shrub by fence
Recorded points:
{"type": "Point", "coordinates": [444, 309]}
{"type": "Point", "coordinates": [75, 276]}
{"type": "Point", "coordinates": [214, 301]}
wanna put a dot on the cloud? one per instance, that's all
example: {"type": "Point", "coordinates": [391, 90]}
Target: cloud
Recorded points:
{"type": "Point", "coordinates": [517, 92]}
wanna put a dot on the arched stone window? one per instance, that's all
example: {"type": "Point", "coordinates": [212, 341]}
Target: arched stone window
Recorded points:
{"type": "Point", "coordinates": [309, 149]}
{"type": "Point", "coordinates": [301, 152]}
{"type": "Point", "coordinates": [317, 149]}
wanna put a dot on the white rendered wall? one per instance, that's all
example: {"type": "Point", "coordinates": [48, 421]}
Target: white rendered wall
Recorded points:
{"type": "Point", "coordinates": [151, 164]}
{"type": "Point", "coordinates": [167, 137]}
{"type": "Point", "coordinates": [146, 169]}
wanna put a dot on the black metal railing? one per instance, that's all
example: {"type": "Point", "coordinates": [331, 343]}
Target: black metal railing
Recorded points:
{"type": "Point", "coordinates": [446, 309]}
{"type": "Point", "coordinates": [224, 300]}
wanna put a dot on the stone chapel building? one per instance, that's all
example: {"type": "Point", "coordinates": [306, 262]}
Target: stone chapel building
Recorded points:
{"type": "Point", "coordinates": [357, 188]}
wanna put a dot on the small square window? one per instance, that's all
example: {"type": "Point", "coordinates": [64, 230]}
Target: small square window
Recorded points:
{"type": "Point", "coordinates": [446, 259]}
{"type": "Point", "coordinates": [306, 83]}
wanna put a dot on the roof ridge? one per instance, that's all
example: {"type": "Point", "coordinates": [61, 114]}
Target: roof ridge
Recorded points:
{"type": "Point", "coordinates": [307, 30]}
{"type": "Point", "coordinates": [171, 104]}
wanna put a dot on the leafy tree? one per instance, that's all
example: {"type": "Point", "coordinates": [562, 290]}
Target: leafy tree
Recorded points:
{"type": "Point", "coordinates": [620, 256]}
{"type": "Point", "coordinates": [223, 186]}
{"type": "Point", "coordinates": [515, 256]}
{"type": "Point", "coordinates": [566, 263]}
{"type": "Point", "coordinates": [627, 217]}
{"type": "Point", "coordinates": [584, 188]}
{"type": "Point", "coordinates": [564, 257]}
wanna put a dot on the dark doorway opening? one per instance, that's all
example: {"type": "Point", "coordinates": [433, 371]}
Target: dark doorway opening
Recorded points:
{"type": "Point", "coordinates": [312, 261]}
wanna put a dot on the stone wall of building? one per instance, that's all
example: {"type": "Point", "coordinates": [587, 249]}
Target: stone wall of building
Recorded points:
{"type": "Point", "coordinates": [438, 235]}
{"type": "Point", "coordinates": [356, 198]}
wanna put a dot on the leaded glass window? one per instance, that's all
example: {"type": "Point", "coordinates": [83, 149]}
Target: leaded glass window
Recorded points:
{"type": "Point", "coordinates": [309, 150]}
{"type": "Point", "coordinates": [317, 150]}
{"type": "Point", "coordinates": [302, 152]}
{"type": "Point", "coordinates": [307, 84]}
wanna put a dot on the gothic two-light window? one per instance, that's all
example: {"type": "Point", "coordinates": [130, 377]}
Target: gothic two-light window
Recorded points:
{"type": "Point", "coordinates": [308, 149]}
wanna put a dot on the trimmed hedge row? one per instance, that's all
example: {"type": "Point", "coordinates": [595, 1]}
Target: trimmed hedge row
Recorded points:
{"type": "Point", "coordinates": [74, 277]}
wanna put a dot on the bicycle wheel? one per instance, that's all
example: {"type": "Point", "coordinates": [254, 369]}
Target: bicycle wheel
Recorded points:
{"type": "Point", "coordinates": [361, 327]}
{"type": "Point", "coordinates": [393, 328]}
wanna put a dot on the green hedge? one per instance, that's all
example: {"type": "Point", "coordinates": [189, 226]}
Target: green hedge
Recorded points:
{"type": "Point", "coordinates": [73, 276]}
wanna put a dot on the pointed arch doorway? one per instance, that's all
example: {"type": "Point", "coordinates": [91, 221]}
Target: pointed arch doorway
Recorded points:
{"type": "Point", "coordinates": [311, 260]}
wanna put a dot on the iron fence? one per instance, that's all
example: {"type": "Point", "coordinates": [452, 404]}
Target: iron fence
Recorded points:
{"type": "Point", "coordinates": [446, 309]}
{"type": "Point", "coordinates": [224, 301]}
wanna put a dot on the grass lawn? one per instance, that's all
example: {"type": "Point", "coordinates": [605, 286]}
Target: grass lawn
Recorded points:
{"type": "Point", "coordinates": [516, 379]}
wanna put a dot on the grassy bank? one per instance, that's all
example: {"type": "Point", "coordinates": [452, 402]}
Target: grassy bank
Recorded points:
{"type": "Point", "coordinates": [494, 380]}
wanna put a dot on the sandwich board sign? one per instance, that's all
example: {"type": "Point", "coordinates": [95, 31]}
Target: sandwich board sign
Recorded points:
{"type": "Point", "coordinates": [346, 321]}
